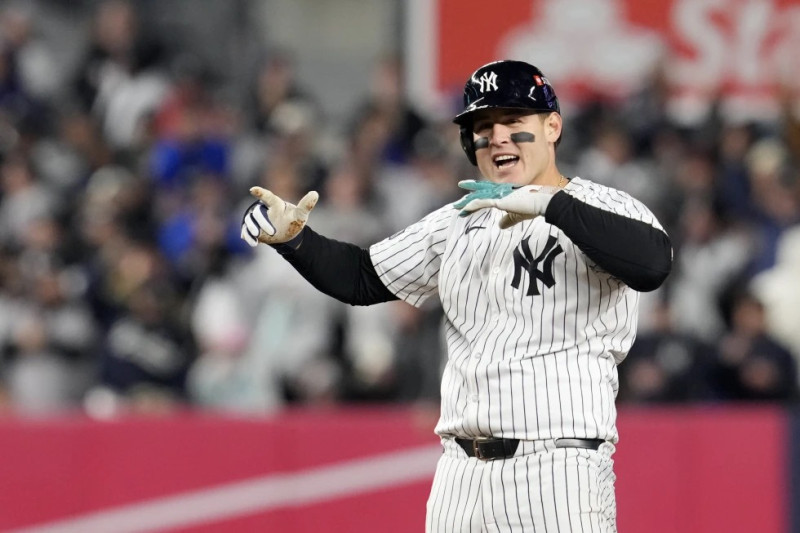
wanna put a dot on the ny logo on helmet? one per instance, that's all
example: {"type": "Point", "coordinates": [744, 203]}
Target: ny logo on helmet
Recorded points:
{"type": "Point", "coordinates": [488, 81]}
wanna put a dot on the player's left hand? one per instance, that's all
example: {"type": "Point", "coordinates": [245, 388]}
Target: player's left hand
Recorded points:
{"type": "Point", "coordinates": [481, 190]}
{"type": "Point", "coordinates": [519, 202]}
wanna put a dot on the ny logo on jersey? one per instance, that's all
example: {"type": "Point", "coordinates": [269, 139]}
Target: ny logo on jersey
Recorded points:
{"type": "Point", "coordinates": [488, 81]}
{"type": "Point", "coordinates": [523, 260]}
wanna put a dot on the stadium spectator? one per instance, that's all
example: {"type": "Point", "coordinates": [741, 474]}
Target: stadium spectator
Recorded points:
{"type": "Point", "coordinates": [752, 365]}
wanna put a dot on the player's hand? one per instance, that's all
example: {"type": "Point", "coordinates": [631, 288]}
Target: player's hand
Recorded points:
{"type": "Point", "coordinates": [481, 190]}
{"type": "Point", "coordinates": [272, 220]}
{"type": "Point", "coordinates": [519, 203]}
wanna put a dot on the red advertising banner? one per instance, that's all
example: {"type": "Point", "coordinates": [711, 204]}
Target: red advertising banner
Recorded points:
{"type": "Point", "coordinates": [703, 469]}
{"type": "Point", "coordinates": [362, 470]}
{"type": "Point", "coordinates": [347, 469]}
{"type": "Point", "coordinates": [742, 51]}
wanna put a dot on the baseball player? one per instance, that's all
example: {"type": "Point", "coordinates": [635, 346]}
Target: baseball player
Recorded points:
{"type": "Point", "coordinates": [539, 278]}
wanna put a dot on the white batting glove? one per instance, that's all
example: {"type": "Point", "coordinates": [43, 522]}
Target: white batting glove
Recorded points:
{"type": "Point", "coordinates": [272, 220]}
{"type": "Point", "coordinates": [523, 203]}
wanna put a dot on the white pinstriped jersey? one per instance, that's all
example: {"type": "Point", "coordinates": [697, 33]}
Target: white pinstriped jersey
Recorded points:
{"type": "Point", "coordinates": [534, 329]}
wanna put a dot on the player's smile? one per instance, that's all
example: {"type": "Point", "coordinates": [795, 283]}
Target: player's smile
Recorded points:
{"type": "Point", "coordinates": [504, 161]}
{"type": "Point", "coordinates": [509, 168]}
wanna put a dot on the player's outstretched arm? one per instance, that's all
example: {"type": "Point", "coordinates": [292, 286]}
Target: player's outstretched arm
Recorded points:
{"type": "Point", "coordinates": [341, 270]}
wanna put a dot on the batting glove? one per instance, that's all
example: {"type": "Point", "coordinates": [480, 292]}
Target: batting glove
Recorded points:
{"type": "Point", "coordinates": [272, 220]}
{"type": "Point", "coordinates": [519, 203]}
{"type": "Point", "coordinates": [481, 190]}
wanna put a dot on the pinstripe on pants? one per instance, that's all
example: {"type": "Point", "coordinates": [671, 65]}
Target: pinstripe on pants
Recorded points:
{"type": "Point", "coordinates": [541, 488]}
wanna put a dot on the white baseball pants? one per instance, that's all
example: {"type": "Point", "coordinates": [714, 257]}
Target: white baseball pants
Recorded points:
{"type": "Point", "coordinates": [541, 489]}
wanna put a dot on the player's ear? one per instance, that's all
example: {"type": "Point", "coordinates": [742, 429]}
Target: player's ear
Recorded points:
{"type": "Point", "coordinates": [552, 127]}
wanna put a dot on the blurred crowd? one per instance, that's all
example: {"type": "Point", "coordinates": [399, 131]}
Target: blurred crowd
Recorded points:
{"type": "Point", "coordinates": [124, 285]}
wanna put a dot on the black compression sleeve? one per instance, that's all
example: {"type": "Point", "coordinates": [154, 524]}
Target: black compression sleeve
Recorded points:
{"type": "Point", "coordinates": [632, 251]}
{"type": "Point", "coordinates": [338, 269]}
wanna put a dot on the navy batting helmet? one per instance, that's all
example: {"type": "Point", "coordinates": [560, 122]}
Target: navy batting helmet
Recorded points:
{"type": "Point", "coordinates": [505, 84]}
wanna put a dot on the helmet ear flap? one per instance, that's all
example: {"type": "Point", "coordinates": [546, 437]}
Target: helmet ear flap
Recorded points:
{"type": "Point", "coordinates": [468, 144]}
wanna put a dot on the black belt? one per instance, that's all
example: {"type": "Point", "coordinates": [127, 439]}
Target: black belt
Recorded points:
{"type": "Point", "coordinates": [488, 448]}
